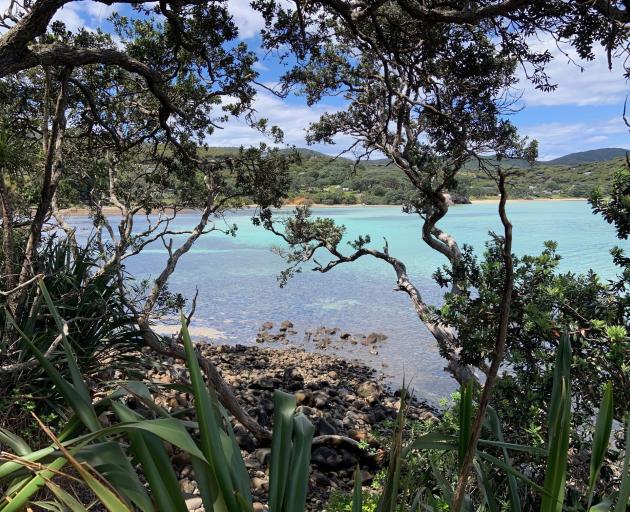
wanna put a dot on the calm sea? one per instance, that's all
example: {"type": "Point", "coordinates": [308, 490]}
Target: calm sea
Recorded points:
{"type": "Point", "coordinates": [238, 289]}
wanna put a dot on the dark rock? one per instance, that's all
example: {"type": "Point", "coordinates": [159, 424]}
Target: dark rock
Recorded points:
{"type": "Point", "coordinates": [304, 397]}
{"type": "Point", "coordinates": [265, 383]}
{"type": "Point", "coordinates": [262, 455]}
{"type": "Point", "coordinates": [286, 325]}
{"type": "Point", "coordinates": [330, 459]}
{"type": "Point", "coordinates": [292, 373]}
{"type": "Point", "coordinates": [321, 479]}
{"type": "Point", "coordinates": [375, 337]}
{"type": "Point", "coordinates": [323, 428]}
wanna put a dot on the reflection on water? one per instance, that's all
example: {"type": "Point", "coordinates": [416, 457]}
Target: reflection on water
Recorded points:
{"type": "Point", "coordinates": [238, 289]}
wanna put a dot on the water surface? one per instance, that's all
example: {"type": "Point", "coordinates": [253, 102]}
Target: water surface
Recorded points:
{"type": "Point", "coordinates": [238, 289]}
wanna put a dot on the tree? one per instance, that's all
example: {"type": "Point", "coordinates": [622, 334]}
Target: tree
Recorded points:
{"type": "Point", "coordinates": [125, 124]}
{"type": "Point", "coordinates": [428, 87]}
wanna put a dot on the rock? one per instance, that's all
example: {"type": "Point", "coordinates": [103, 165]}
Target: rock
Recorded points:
{"type": "Point", "coordinates": [193, 503]}
{"type": "Point", "coordinates": [187, 486]}
{"type": "Point", "coordinates": [181, 459]}
{"type": "Point", "coordinates": [375, 337]}
{"type": "Point", "coordinates": [245, 441]}
{"type": "Point", "coordinates": [286, 325]}
{"type": "Point", "coordinates": [321, 479]}
{"type": "Point", "coordinates": [339, 397]}
{"type": "Point", "coordinates": [259, 484]}
{"type": "Point", "coordinates": [345, 335]}
{"type": "Point", "coordinates": [328, 458]}
{"type": "Point", "coordinates": [266, 326]}
{"type": "Point", "coordinates": [265, 383]}
{"type": "Point", "coordinates": [369, 389]}
{"type": "Point", "coordinates": [292, 373]}
{"type": "Point", "coordinates": [321, 399]}
{"type": "Point", "coordinates": [361, 436]}
{"type": "Point", "coordinates": [323, 428]}
{"type": "Point", "coordinates": [304, 397]}
{"type": "Point", "coordinates": [259, 507]}
{"type": "Point", "coordinates": [262, 454]}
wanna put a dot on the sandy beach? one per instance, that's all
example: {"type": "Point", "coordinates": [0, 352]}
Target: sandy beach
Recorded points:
{"type": "Point", "coordinates": [109, 210]}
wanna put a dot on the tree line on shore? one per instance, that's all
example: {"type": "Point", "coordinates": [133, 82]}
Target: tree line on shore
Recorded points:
{"type": "Point", "coordinates": [124, 120]}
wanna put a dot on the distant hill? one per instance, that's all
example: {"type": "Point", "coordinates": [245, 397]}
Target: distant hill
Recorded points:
{"type": "Point", "coordinates": [584, 157]}
{"type": "Point", "coordinates": [321, 178]}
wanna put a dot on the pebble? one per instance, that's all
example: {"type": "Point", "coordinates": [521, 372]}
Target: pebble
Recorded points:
{"type": "Point", "coordinates": [339, 397]}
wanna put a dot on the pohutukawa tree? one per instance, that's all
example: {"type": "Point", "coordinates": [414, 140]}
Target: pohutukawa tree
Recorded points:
{"type": "Point", "coordinates": [429, 87]}
{"type": "Point", "coordinates": [124, 125]}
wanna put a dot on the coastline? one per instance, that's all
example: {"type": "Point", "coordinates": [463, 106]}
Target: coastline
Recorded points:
{"type": "Point", "coordinates": [533, 200]}
{"type": "Point", "coordinates": [110, 210]}
{"type": "Point", "coordinates": [344, 400]}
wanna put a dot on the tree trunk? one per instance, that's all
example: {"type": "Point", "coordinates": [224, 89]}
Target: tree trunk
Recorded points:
{"type": "Point", "coordinates": [53, 167]}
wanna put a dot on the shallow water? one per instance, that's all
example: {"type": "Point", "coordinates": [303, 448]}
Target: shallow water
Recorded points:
{"type": "Point", "coordinates": [238, 290]}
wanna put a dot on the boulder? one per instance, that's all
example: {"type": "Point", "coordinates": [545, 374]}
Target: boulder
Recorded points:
{"type": "Point", "coordinates": [286, 325]}
{"type": "Point", "coordinates": [369, 390]}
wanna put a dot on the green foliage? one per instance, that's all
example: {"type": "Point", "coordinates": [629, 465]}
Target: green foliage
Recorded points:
{"type": "Point", "coordinates": [615, 210]}
{"type": "Point", "coordinates": [99, 328]}
{"type": "Point", "coordinates": [492, 491]}
{"type": "Point", "coordinates": [543, 302]}
{"type": "Point", "coordinates": [322, 180]}
{"type": "Point", "coordinates": [105, 457]}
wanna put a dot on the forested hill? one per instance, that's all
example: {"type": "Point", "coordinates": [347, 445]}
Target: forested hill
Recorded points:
{"type": "Point", "coordinates": [322, 179]}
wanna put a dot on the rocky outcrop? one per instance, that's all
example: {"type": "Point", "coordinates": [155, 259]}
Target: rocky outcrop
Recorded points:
{"type": "Point", "coordinates": [341, 398]}
{"type": "Point", "coordinates": [456, 198]}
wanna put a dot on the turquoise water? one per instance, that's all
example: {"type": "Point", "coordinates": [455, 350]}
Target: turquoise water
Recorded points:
{"type": "Point", "coordinates": [238, 290]}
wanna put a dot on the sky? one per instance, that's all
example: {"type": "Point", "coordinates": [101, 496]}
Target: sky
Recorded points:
{"type": "Point", "coordinates": [584, 112]}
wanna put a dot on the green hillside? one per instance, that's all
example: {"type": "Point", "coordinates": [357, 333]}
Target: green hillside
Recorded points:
{"type": "Point", "coordinates": [593, 155]}
{"type": "Point", "coordinates": [320, 178]}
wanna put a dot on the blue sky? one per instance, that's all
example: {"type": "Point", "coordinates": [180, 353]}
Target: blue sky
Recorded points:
{"type": "Point", "coordinates": [585, 112]}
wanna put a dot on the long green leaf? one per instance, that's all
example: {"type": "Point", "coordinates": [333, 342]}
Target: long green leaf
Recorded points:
{"type": "Point", "coordinates": [18, 502]}
{"type": "Point", "coordinates": [601, 438]}
{"type": "Point", "coordinates": [465, 421]}
{"type": "Point", "coordinates": [81, 408]}
{"type": "Point", "coordinates": [559, 430]}
{"type": "Point", "coordinates": [495, 426]}
{"type": "Point", "coordinates": [624, 489]}
{"type": "Point", "coordinates": [77, 378]}
{"type": "Point", "coordinates": [391, 487]}
{"type": "Point", "coordinates": [486, 487]}
{"type": "Point", "coordinates": [238, 470]}
{"type": "Point", "coordinates": [15, 442]}
{"type": "Point", "coordinates": [149, 451]}
{"type": "Point", "coordinates": [65, 498]}
{"type": "Point", "coordinates": [281, 444]}
{"type": "Point", "coordinates": [357, 492]}
{"type": "Point", "coordinates": [209, 428]}
{"type": "Point", "coordinates": [303, 431]}
{"type": "Point", "coordinates": [109, 460]}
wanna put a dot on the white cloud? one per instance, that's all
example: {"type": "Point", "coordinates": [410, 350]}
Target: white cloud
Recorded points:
{"type": "Point", "coordinates": [292, 119]}
{"type": "Point", "coordinates": [86, 14]}
{"type": "Point", "coordinates": [73, 15]}
{"type": "Point", "coordinates": [248, 21]}
{"type": "Point", "coordinates": [559, 138]}
{"type": "Point", "coordinates": [580, 83]}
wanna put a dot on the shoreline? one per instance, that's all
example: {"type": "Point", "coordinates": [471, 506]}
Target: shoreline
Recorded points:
{"type": "Point", "coordinates": [340, 397]}
{"type": "Point", "coordinates": [110, 210]}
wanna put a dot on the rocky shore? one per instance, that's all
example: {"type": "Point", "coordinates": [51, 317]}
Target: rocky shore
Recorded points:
{"type": "Point", "coordinates": [341, 398]}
